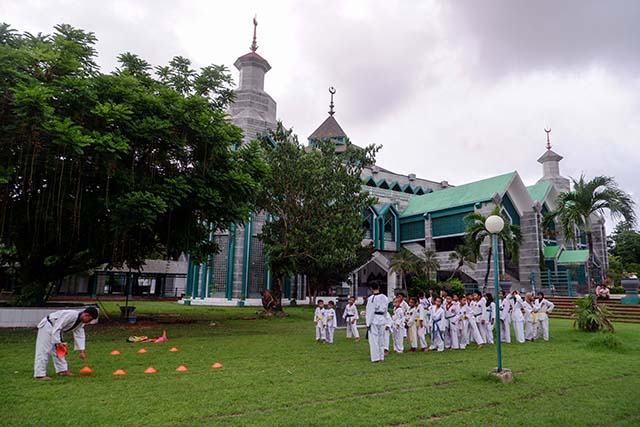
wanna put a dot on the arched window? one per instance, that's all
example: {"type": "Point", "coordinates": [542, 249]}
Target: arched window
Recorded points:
{"type": "Point", "coordinates": [389, 227]}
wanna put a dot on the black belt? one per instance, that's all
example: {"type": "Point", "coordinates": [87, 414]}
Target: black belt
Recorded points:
{"type": "Point", "coordinates": [49, 320]}
{"type": "Point", "coordinates": [348, 315]}
{"type": "Point", "coordinates": [381, 313]}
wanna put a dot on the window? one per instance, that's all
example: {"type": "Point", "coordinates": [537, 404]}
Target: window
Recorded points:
{"type": "Point", "coordinates": [389, 227]}
{"type": "Point", "coordinates": [448, 243]}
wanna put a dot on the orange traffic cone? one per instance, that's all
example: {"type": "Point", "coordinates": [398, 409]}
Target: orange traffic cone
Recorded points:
{"type": "Point", "coordinates": [119, 372]}
{"type": "Point", "coordinates": [150, 370]}
{"type": "Point", "coordinates": [181, 368]}
{"type": "Point", "coordinates": [86, 370]}
{"type": "Point", "coordinates": [114, 353]}
{"type": "Point", "coordinates": [173, 349]}
{"type": "Point", "coordinates": [142, 350]}
{"type": "Point", "coordinates": [217, 365]}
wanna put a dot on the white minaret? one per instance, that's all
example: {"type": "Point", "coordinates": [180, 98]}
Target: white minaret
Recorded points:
{"type": "Point", "coordinates": [550, 161]}
{"type": "Point", "coordinates": [253, 109]}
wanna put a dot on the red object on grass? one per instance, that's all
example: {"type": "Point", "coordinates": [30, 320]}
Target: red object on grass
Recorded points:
{"type": "Point", "coordinates": [86, 370]}
{"type": "Point", "coordinates": [217, 365]}
{"type": "Point", "coordinates": [61, 350]}
{"type": "Point", "coordinates": [150, 370]}
{"type": "Point", "coordinates": [142, 350]}
{"type": "Point", "coordinates": [181, 368]}
{"type": "Point", "coordinates": [119, 372]}
{"type": "Point", "coordinates": [115, 353]}
{"type": "Point", "coordinates": [173, 349]}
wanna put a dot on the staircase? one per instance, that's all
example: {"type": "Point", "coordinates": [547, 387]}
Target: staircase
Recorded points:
{"type": "Point", "coordinates": [619, 312]}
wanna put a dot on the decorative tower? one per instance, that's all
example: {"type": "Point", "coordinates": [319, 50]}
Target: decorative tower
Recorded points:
{"type": "Point", "coordinates": [253, 109]}
{"type": "Point", "coordinates": [550, 161]}
{"type": "Point", "coordinates": [330, 129]}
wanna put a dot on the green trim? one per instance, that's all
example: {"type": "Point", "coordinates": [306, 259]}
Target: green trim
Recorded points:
{"type": "Point", "coordinates": [407, 187]}
{"type": "Point", "coordinates": [381, 182]}
{"type": "Point", "coordinates": [410, 219]}
{"type": "Point", "coordinates": [245, 256]}
{"type": "Point", "coordinates": [395, 186]}
{"type": "Point", "coordinates": [203, 280]}
{"type": "Point", "coordinates": [573, 257]}
{"type": "Point", "coordinates": [370, 182]}
{"type": "Point", "coordinates": [550, 251]}
{"type": "Point", "coordinates": [418, 191]}
{"type": "Point", "coordinates": [196, 274]}
{"type": "Point", "coordinates": [230, 259]}
{"type": "Point", "coordinates": [452, 211]}
{"type": "Point", "coordinates": [508, 205]}
{"type": "Point", "coordinates": [187, 291]}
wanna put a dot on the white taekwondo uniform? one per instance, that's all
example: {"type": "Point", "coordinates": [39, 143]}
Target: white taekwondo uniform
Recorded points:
{"type": "Point", "coordinates": [540, 309]}
{"type": "Point", "coordinates": [318, 319]}
{"type": "Point", "coordinates": [505, 320]}
{"type": "Point", "coordinates": [517, 318]}
{"type": "Point", "coordinates": [397, 329]}
{"type": "Point", "coordinates": [376, 320]}
{"type": "Point", "coordinates": [351, 317]}
{"type": "Point", "coordinates": [330, 324]}
{"type": "Point", "coordinates": [51, 331]}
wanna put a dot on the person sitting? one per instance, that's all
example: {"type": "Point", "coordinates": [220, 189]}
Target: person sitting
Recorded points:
{"type": "Point", "coordinates": [602, 292]}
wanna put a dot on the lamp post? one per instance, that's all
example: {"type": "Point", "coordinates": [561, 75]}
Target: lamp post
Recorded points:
{"type": "Point", "coordinates": [494, 225]}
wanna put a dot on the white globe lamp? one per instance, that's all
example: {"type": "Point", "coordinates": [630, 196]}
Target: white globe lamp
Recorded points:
{"type": "Point", "coordinates": [494, 224]}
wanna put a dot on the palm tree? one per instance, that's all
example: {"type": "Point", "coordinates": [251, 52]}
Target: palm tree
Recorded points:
{"type": "Point", "coordinates": [476, 234]}
{"type": "Point", "coordinates": [588, 198]}
{"type": "Point", "coordinates": [462, 254]}
{"type": "Point", "coordinates": [429, 262]}
{"type": "Point", "coordinates": [403, 262]}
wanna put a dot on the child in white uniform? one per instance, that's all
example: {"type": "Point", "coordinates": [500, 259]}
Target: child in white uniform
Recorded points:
{"type": "Point", "coordinates": [397, 329]}
{"type": "Point", "coordinates": [451, 314]}
{"type": "Point", "coordinates": [529, 319]}
{"type": "Point", "coordinates": [350, 317]}
{"type": "Point", "coordinates": [330, 322]}
{"type": "Point", "coordinates": [463, 323]}
{"type": "Point", "coordinates": [437, 326]}
{"type": "Point", "coordinates": [412, 324]}
{"type": "Point", "coordinates": [318, 319]}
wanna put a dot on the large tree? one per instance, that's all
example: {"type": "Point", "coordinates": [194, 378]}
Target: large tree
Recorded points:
{"type": "Point", "coordinates": [404, 263]}
{"type": "Point", "coordinates": [107, 168]}
{"type": "Point", "coordinates": [315, 201]}
{"type": "Point", "coordinates": [476, 234]}
{"type": "Point", "coordinates": [577, 208]}
{"type": "Point", "coordinates": [626, 244]}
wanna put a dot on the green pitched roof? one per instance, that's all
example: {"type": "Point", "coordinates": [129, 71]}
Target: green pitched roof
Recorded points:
{"type": "Point", "coordinates": [473, 192]}
{"type": "Point", "coordinates": [539, 190]}
{"type": "Point", "coordinates": [573, 257]}
{"type": "Point", "coordinates": [550, 251]}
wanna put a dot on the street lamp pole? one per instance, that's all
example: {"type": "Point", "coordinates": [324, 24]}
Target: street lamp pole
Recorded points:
{"type": "Point", "coordinates": [494, 225]}
{"type": "Point", "coordinates": [496, 290]}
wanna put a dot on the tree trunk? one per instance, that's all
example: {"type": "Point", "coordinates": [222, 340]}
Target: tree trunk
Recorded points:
{"type": "Point", "coordinates": [277, 293]}
{"type": "Point", "coordinates": [486, 276]}
{"type": "Point", "coordinates": [457, 270]}
{"type": "Point", "coordinates": [589, 269]}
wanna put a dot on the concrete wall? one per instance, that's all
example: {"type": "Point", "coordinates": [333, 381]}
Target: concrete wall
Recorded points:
{"type": "Point", "coordinates": [28, 317]}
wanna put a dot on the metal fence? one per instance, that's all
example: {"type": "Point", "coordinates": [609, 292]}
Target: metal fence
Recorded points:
{"type": "Point", "coordinates": [554, 283]}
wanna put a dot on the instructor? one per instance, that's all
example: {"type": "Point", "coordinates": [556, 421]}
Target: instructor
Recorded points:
{"type": "Point", "coordinates": [51, 332]}
{"type": "Point", "coordinates": [377, 306]}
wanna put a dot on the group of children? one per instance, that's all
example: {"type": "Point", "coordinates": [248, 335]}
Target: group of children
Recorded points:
{"type": "Point", "coordinates": [441, 322]}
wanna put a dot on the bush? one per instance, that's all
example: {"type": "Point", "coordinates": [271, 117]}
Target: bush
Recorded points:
{"type": "Point", "coordinates": [605, 340]}
{"type": "Point", "coordinates": [616, 290]}
{"type": "Point", "coordinates": [590, 316]}
{"type": "Point", "coordinates": [453, 287]}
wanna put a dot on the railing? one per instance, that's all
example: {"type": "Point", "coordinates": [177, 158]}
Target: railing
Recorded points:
{"type": "Point", "coordinates": [554, 283]}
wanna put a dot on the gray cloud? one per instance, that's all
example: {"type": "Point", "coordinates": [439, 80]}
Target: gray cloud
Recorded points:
{"type": "Point", "coordinates": [521, 35]}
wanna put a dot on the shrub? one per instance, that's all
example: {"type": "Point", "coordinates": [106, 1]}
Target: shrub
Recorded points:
{"type": "Point", "coordinates": [453, 287]}
{"type": "Point", "coordinates": [616, 290]}
{"type": "Point", "coordinates": [605, 340]}
{"type": "Point", "coordinates": [590, 316]}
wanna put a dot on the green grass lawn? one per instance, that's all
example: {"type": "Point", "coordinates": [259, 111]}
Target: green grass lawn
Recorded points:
{"type": "Point", "coordinates": [276, 375]}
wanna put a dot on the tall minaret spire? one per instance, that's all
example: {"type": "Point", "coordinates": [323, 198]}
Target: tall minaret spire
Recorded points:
{"type": "Point", "coordinates": [254, 45]}
{"type": "Point", "coordinates": [548, 131]}
{"type": "Point", "coordinates": [332, 91]}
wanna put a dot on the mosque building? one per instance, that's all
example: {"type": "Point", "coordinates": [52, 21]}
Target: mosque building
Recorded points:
{"type": "Point", "coordinates": [412, 213]}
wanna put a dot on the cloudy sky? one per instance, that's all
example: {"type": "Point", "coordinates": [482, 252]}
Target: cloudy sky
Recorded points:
{"type": "Point", "coordinates": [453, 91]}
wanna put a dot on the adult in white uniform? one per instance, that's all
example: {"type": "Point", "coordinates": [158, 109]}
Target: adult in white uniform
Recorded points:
{"type": "Point", "coordinates": [505, 317]}
{"type": "Point", "coordinates": [529, 318]}
{"type": "Point", "coordinates": [541, 307]}
{"type": "Point", "coordinates": [51, 332]}
{"type": "Point", "coordinates": [376, 321]}
{"type": "Point", "coordinates": [517, 317]}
